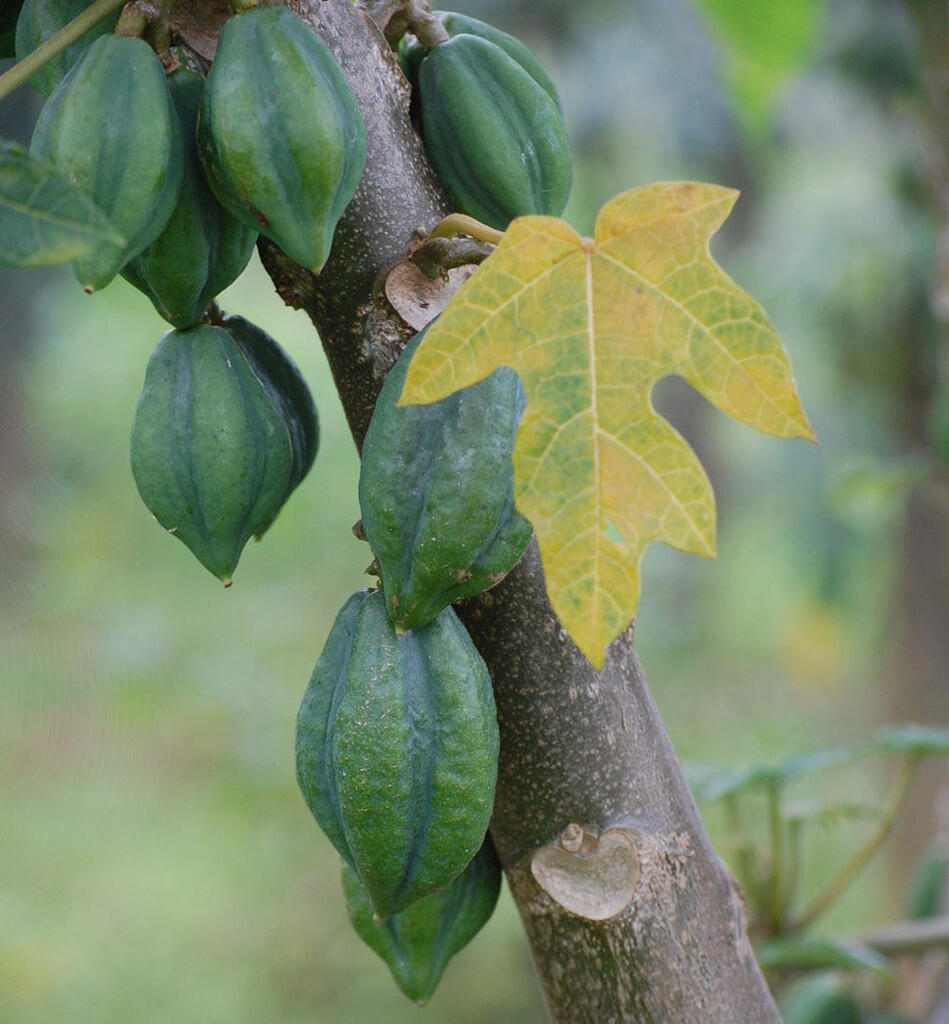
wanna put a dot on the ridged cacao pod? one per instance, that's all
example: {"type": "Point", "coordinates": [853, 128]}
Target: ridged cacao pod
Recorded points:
{"type": "Point", "coordinates": [280, 134]}
{"type": "Point", "coordinates": [436, 490]}
{"type": "Point", "coordinates": [396, 747]}
{"type": "Point", "coordinates": [417, 943]}
{"type": "Point", "coordinates": [225, 429]}
{"type": "Point", "coordinates": [494, 135]}
{"type": "Point", "coordinates": [111, 127]}
{"type": "Point", "coordinates": [39, 20]}
{"type": "Point", "coordinates": [203, 248]}
{"type": "Point", "coordinates": [411, 53]}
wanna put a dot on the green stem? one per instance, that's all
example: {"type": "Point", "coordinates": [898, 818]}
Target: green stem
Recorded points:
{"type": "Point", "coordinates": [425, 26]}
{"type": "Point", "coordinates": [744, 856]}
{"type": "Point", "coordinates": [461, 224]}
{"type": "Point", "coordinates": [55, 45]}
{"type": "Point", "coordinates": [792, 874]}
{"type": "Point", "coordinates": [910, 936]}
{"type": "Point", "coordinates": [160, 29]}
{"type": "Point", "coordinates": [240, 6]}
{"type": "Point", "coordinates": [861, 858]}
{"type": "Point", "coordinates": [775, 878]}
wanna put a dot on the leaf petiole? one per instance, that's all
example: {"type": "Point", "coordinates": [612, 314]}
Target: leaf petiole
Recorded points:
{"type": "Point", "coordinates": [56, 44]}
{"type": "Point", "coordinates": [842, 881]}
{"type": "Point", "coordinates": [461, 224]}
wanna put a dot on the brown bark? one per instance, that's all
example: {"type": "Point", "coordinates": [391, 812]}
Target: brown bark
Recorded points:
{"type": "Point", "coordinates": [577, 746]}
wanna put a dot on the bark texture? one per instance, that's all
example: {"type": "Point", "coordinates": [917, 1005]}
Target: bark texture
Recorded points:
{"type": "Point", "coordinates": [578, 747]}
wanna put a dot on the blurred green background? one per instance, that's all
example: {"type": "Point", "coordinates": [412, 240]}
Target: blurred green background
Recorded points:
{"type": "Point", "coordinates": [156, 860]}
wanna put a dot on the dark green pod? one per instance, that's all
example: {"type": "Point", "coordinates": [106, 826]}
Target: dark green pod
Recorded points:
{"type": "Point", "coordinates": [436, 490]}
{"type": "Point", "coordinates": [280, 133]}
{"type": "Point", "coordinates": [111, 127]}
{"type": "Point", "coordinates": [224, 430]}
{"type": "Point", "coordinates": [417, 943]}
{"type": "Point", "coordinates": [39, 20]}
{"type": "Point", "coordinates": [203, 248]}
{"type": "Point", "coordinates": [494, 136]}
{"type": "Point", "coordinates": [411, 53]}
{"type": "Point", "coordinates": [396, 748]}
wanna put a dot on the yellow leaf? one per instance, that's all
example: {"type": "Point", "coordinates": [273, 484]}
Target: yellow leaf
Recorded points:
{"type": "Point", "coordinates": [590, 326]}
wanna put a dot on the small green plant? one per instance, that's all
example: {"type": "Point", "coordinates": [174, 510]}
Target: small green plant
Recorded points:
{"type": "Point", "coordinates": [826, 979]}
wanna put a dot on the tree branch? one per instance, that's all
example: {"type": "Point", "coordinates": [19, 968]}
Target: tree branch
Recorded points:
{"type": "Point", "coordinates": [577, 746]}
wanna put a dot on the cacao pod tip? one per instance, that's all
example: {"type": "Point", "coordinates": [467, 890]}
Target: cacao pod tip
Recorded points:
{"type": "Point", "coordinates": [378, 921]}
{"type": "Point", "coordinates": [88, 290]}
{"type": "Point", "coordinates": [228, 582]}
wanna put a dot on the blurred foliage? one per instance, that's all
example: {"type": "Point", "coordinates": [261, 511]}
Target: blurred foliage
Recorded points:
{"type": "Point", "coordinates": [156, 860]}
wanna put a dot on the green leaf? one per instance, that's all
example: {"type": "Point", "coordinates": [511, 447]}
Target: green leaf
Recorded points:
{"type": "Point", "coordinates": [915, 740]}
{"type": "Point", "coordinates": [723, 782]}
{"type": "Point", "coordinates": [816, 954]}
{"type": "Point", "coordinates": [823, 812]}
{"type": "Point", "coordinates": [818, 760]}
{"type": "Point", "coordinates": [44, 219]}
{"type": "Point", "coordinates": [765, 44]}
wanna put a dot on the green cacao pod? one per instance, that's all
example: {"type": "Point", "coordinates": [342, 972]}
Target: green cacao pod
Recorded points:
{"type": "Point", "coordinates": [436, 490]}
{"type": "Point", "coordinates": [418, 942]}
{"type": "Point", "coordinates": [203, 248]}
{"type": "Point", "coordinates": [396, 747]}
{"type": "Point", "coordinates": [494, 136]}
{"type": "Point", "coordinates": [224, 430]}
{"type": "Point", "coordinates": [111, 127]}
{"type": "Point", "coordinates": [41, 19]}
{"type": "Point", "coordinates": [280, 133]}
{"type": "Point", "coordinates": [411, 53]}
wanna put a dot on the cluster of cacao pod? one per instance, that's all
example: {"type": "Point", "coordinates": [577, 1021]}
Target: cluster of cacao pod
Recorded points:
{"type": "Point", "coordinates": [189, 168]}
{"type": "Point", "coordinates": [397, 736]}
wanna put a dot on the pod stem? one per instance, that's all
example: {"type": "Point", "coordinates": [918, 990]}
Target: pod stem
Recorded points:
{"type": "Point", "coordinates": [239, 6]}
{"type": "Point", "coordinates": [424, 25]}
{"type": "Point", "coordinates": [56, 44]}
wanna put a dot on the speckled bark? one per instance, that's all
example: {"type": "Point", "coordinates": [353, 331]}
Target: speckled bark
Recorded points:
{"type": "Point", "coordinates": [577, 745]}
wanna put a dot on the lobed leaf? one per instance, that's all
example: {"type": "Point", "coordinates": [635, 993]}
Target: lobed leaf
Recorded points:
{"type": "Point", "coordinates": [591, 325]}
{"type": "Point", "coordinates": [44, 218]}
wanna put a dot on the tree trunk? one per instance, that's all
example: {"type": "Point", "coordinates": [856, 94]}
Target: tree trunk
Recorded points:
{"type": "Point", "coordinates": [584, 755]}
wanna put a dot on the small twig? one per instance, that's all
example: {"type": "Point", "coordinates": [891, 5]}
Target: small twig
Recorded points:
{"type": "Point", "coordinates": [825, 899]}
{"type": "Point", "coordinates": [56, 44]}
{"type": "Point", "coordinates": [910, 936]}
